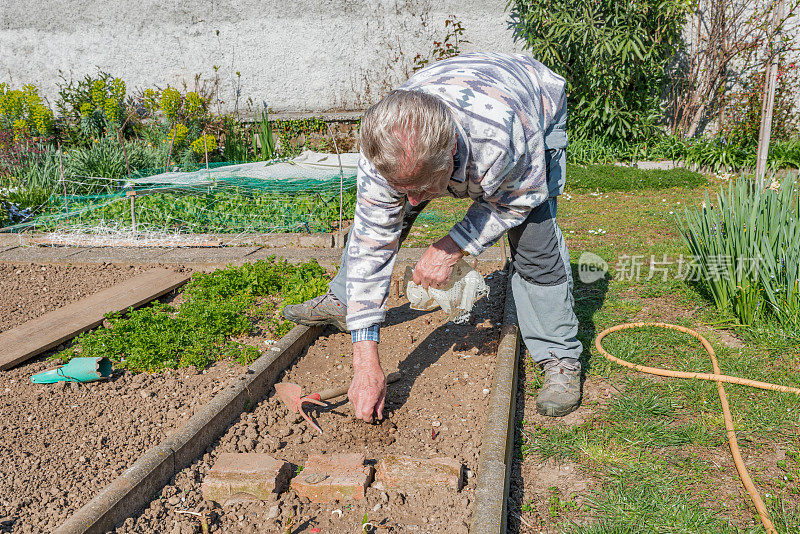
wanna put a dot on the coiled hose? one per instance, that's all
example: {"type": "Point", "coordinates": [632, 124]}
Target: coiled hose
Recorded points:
{"type": "Point", "coordinates": [717, 377]}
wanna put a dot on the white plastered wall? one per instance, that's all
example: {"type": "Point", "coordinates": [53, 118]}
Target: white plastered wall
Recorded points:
{"type": "Point", "coordinates": [302, 56]}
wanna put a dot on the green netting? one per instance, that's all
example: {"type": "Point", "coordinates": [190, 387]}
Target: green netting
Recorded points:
{"type": "Point", "coordinates": [304, 194]}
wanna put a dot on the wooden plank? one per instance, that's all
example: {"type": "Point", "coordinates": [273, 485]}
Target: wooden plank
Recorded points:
{"type": "Point", "coordinates": [38, 335]}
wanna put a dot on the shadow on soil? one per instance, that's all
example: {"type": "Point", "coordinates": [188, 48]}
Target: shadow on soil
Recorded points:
{"type": "Point", "coordinates": [442, 339]}
{"type": "Point", "coordinates": [438, 342]}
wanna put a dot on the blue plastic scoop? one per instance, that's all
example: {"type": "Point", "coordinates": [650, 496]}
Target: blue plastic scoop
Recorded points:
{"type": "Point", "coordinates": [76, 370]}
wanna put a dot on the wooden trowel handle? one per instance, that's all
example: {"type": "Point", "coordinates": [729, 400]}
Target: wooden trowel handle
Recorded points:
{"type": "Point", "coordinates": [332, 393]}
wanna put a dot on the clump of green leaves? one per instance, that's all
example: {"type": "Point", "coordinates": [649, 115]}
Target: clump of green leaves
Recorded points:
{"type": "Point", "coordinates": [94, 169]}
{"type": "Point", "coordinates": [613, 55]}
{"type": "Point", "coordinates": [747, 250]}
{"type": "Point", "coordinates": [92, 107]}
{"type": "Point", "coordinates": [23, 111]}
{"type": "Point", "coordinates": [218, 305]}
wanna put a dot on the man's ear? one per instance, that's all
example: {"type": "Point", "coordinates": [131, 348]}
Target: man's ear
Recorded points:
{"type": "Point", "coordinates": [455, 147]}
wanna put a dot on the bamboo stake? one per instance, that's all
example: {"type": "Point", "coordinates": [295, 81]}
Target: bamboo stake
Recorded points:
{"type": "Point", "coordinates": [768, 102]}
{"type": "Point", "coordinates": [169, 152]}
{"type": "Point", "coordinates": [132, 195]}
{"type": "Point", "coordinates": [341, 184]}
{"type": "Point", "coordinates": [119, 139]}
{"type": "Point", "coordinates": [63, 181]}
{"type": "Point", "coordinates": [205, 144]}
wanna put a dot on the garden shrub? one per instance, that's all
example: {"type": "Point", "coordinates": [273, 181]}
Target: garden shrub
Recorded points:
{"type": "Point", "coordinates": [712, 154]}
{"type": "Point", "coordinates": [591, 150]}
{"type": "Point", "coordinates": [23, 112]}
{"type": "Point", "coordinates": [29, 174]}
{"type": "Point", "coordinates": [742, 112]}
{"type": "Point", "coordinates": [92, 107]}
{"type": "Point", "coordinates": [718, 154]}
{"type": "Point", "coordinates": [218, 306]}
{"type": "Point", "coordinates": [783, 154]}
{"type": "Point", "coordinates": [613, 54]}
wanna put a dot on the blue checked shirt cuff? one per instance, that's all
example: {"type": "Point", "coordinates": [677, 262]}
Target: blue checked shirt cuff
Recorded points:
{"type": "Point", "coordinates": [371, 333]}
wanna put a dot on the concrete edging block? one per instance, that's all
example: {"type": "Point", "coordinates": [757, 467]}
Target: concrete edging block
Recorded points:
{"type": "Point", "coordinates": [134, 488]}
{"type": "Point", "coordinates": [494, 462]}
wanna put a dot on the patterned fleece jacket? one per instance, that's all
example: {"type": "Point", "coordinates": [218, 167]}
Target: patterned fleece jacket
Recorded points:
{"type": "Point", "coordinates": [505, 106]}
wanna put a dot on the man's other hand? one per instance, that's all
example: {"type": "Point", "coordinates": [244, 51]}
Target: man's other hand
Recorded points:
{"type": "Point", "coordinates": [436, 264]}
{"type": "Point", "coordinates": [368, 389]}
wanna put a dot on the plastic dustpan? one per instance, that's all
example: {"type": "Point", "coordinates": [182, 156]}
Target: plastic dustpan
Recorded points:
{"type": "Point", "coordinates": [76, 370]}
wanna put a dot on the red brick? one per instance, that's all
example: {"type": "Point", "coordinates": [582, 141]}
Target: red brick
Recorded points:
{"type": "Point", "coordinates": [405, 472]}
{"type": "Point", "coordinates": [333, 477]}
{"type": "Point", "coordinates": [256, 475]}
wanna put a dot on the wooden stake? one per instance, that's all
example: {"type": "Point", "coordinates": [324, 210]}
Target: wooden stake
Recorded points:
{"type": "Point", "coordinates": [120, 140]}
{"type": "Point", "coordinates": [205, 144]}
{"type": "Point", "coordinates": [132, 195]}
{"type": "Point", "coordinates": [768, 102]}
{"type": "Point", "coordinates": [63, 181]}
{"type": "Point", "coordinates": [169, 153]}
{"type": "Point", "coordinates": [341, 182]}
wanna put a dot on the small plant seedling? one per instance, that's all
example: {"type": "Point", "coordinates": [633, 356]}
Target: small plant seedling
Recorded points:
{"type": "Point", "coordinates": [556, 505]}
{"type": "Point", "coordinates": [289, 522]}
{"type": "Point", "coordinates": [528, 507]}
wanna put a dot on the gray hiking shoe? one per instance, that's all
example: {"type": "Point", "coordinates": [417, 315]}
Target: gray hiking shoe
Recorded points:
{"type": "Point", "coordinates": [561, 391]}
{"type": "Point", "coordinates": [324, 309]}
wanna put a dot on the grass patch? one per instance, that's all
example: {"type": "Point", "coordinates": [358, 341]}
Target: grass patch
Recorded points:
{"type": "Point", "coordinates": [656, 450]}
{"type": "Point", "coordinates": [645, 508]}
{"type": "Point", "coordinates": [217, 306]}
{"type": "Point", "coordinates": [644, 200]}
{"type": "Point", "coordinates": [617, 178]}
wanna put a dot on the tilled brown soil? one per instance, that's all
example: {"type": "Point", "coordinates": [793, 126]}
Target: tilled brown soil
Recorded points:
{"type": "Point", "coordinates": [62, 443]}
{"type": "Point", "coordinates": [437, 409]}
{"type": "Point", "coordinates": [28, 290]}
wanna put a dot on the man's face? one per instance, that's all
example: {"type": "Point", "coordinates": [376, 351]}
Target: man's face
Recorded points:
{"type": "Point", "coordinates": [417, 194]}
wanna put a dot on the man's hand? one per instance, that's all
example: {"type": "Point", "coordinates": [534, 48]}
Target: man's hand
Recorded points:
{"type": "Point", "coordinates": [436, 264]}
{"type": "Point", "coordinates": [368, 388]}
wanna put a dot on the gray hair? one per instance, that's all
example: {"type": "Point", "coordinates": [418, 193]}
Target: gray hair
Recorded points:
{"type": "Point", "coordinates": [409, 137]}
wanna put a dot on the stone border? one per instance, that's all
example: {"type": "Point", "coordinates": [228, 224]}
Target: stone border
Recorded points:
{"type": "Point", "coordinates": [133, 489]}
{"type": "Point", "coordinates": [494, 463]}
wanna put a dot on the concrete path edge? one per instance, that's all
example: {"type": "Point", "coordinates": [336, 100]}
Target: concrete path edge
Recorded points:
{"type": "Point", "coordinates": [134, 488]}
{"type": "Point", "coordinates": [497, 445]}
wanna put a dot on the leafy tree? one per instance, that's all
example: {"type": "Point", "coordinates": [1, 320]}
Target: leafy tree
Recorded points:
{"type": "Point", "coordinates": [613, 54]}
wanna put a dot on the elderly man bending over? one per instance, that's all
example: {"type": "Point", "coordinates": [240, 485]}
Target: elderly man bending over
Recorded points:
{"type": "Point", "coordinates": [484, 125]}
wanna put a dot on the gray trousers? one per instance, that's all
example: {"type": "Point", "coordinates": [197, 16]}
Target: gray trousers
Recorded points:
{"type": "Point", "coordinates": [542, 278]}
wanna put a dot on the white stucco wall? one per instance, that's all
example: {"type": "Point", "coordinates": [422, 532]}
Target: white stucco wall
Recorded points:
{"type": "Point", "coordinates": [307, 55]}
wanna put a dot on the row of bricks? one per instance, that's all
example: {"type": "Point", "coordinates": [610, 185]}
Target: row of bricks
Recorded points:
{"type": "Point", "coordinates": [325, 477]}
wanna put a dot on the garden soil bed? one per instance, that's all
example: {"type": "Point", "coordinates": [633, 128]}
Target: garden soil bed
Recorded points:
{"type": "Point", "coordinates": [62, 443]}
{"type": "Point", "coordinates": [437, 409]}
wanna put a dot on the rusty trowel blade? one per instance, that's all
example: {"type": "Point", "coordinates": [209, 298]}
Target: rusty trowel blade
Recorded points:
{"type": "Point", "coordinates": [289, 394]}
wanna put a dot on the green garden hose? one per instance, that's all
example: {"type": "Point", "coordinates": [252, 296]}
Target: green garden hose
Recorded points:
{"type": "Point", "coordinates": [717, 377]}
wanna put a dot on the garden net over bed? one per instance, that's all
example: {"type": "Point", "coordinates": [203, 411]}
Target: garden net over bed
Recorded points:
{"type": "Point", "coordinates": [303, 194]}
